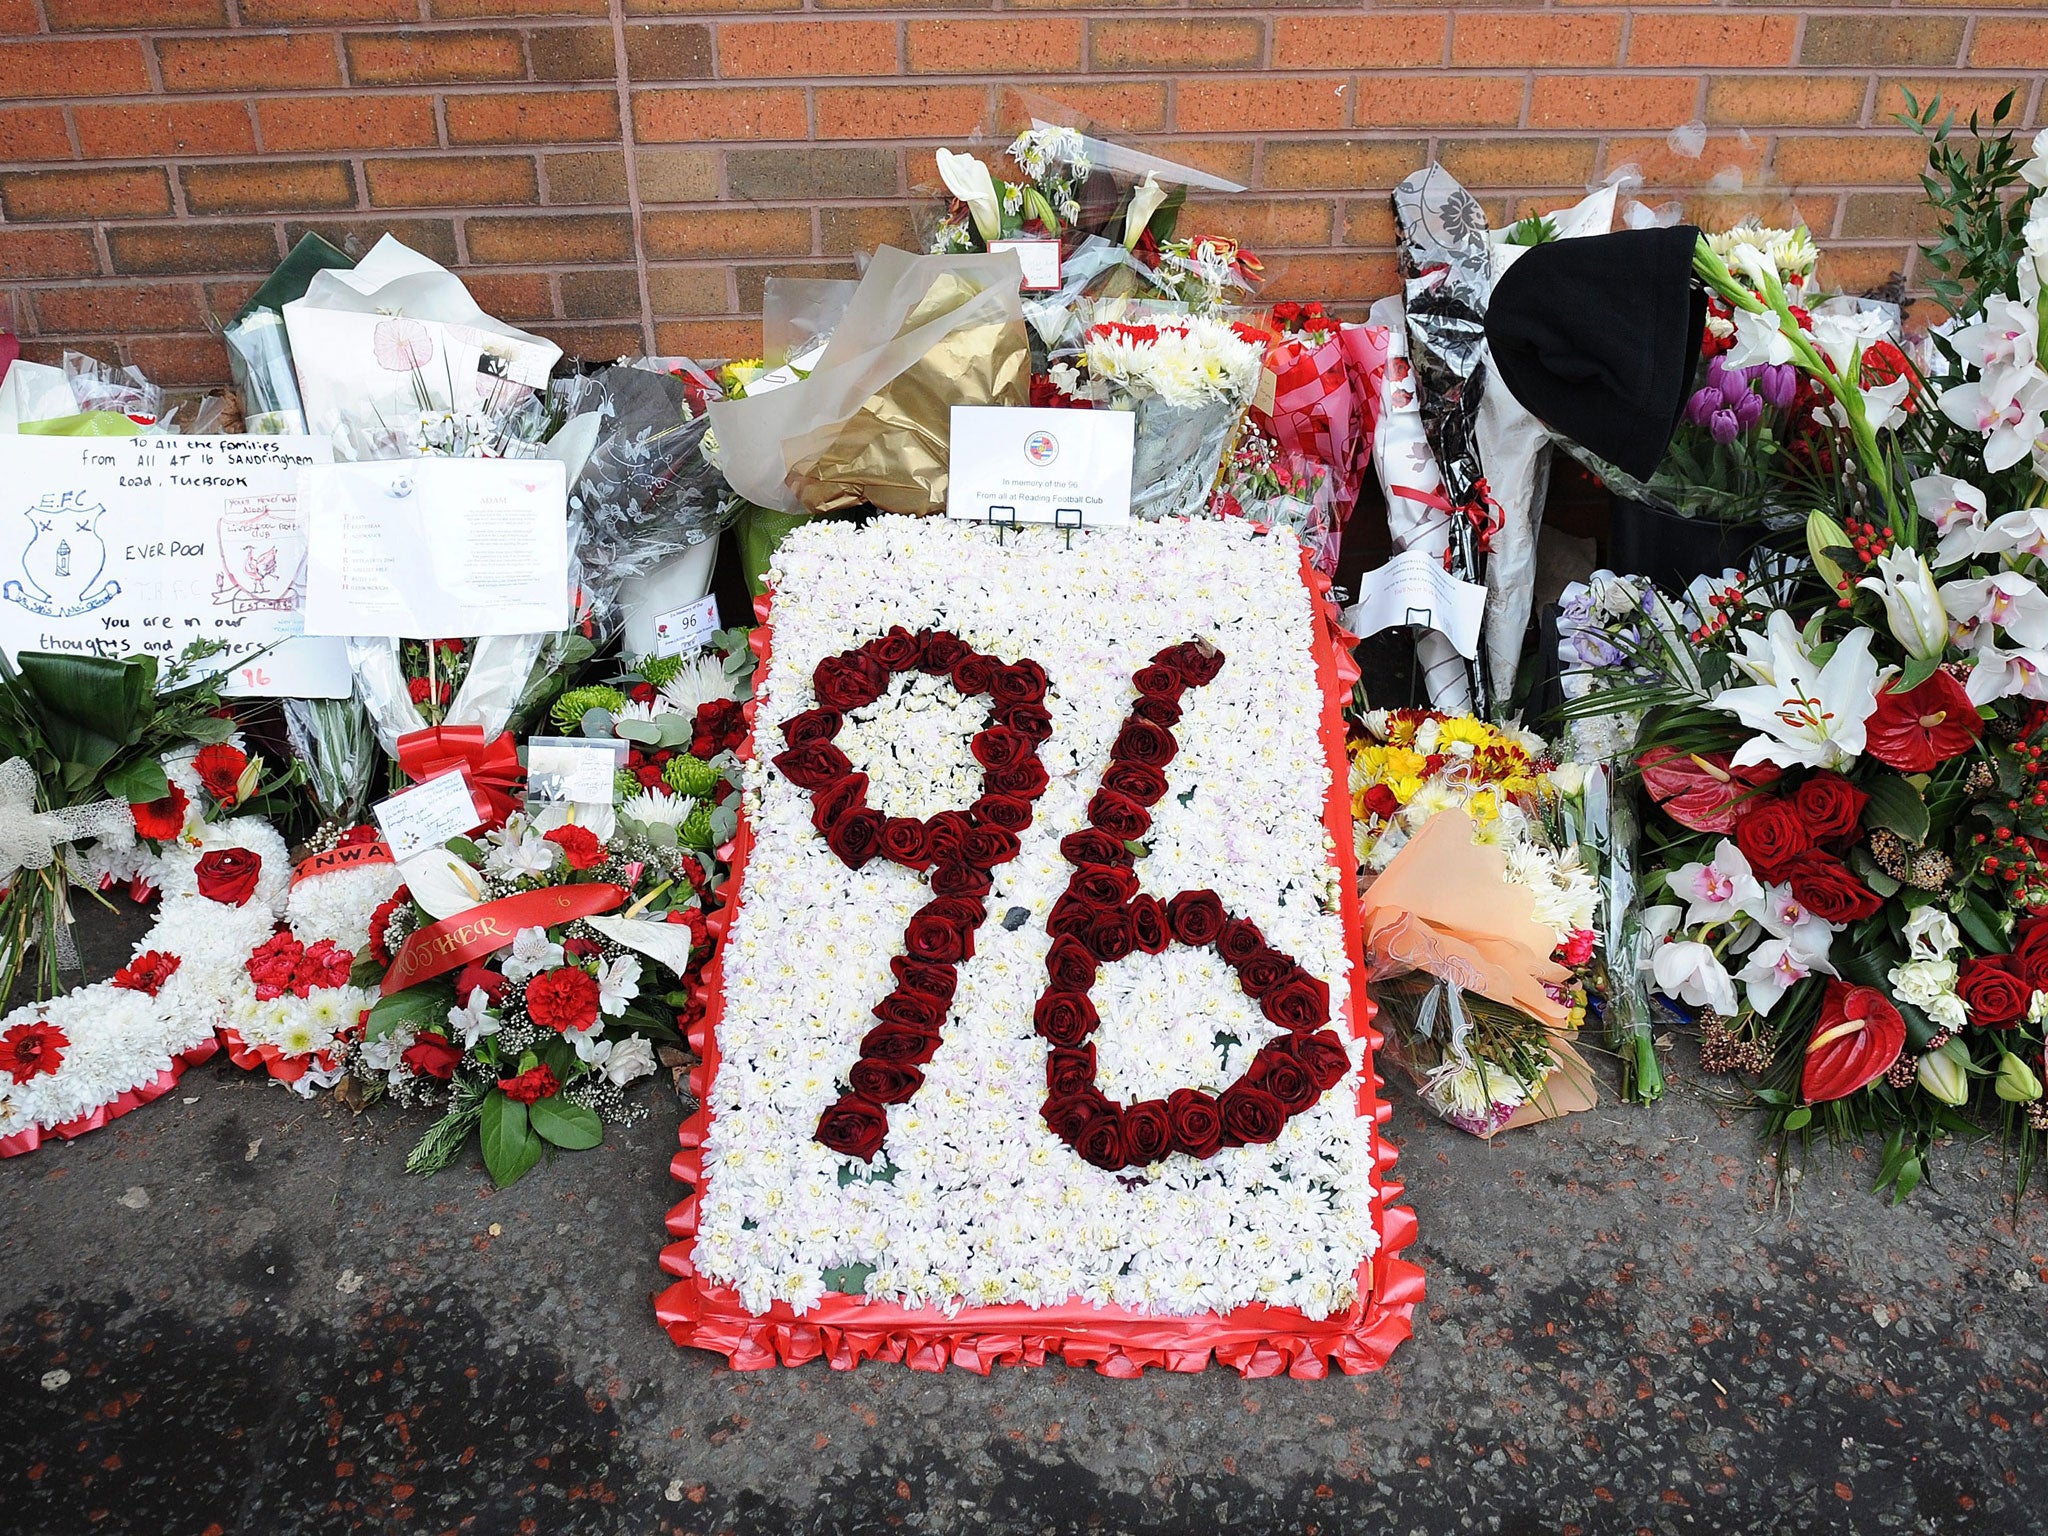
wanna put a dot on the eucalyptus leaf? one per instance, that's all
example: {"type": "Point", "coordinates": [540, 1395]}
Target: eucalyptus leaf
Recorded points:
{"type": "Point", "coordinates": [645, 732]}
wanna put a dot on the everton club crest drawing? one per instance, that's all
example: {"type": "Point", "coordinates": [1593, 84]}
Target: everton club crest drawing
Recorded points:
{"type": "Point", "coordinates": [65, 560]}
{"type": "Point", "coordinates": [262, 555]}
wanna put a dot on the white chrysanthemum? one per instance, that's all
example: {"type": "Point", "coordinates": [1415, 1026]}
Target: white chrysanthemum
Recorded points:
{"type": "Point", "coordinates": [697, 683]}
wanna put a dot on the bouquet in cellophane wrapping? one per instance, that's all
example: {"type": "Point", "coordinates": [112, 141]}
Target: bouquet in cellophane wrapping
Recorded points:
{"type": "Point", "coordinates": [1188, 378]}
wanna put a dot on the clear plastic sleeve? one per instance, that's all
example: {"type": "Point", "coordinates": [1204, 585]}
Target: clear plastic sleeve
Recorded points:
{"type": "Point", "coordinates": [260, 361]}
{"type": "Point", "coordinates": [336, 742]}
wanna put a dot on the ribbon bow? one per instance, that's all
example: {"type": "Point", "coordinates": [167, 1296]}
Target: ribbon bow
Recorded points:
{"type": "Point", "coordinates": [29, 838]}
{"type": "Point", "coordinates": [496, 779]}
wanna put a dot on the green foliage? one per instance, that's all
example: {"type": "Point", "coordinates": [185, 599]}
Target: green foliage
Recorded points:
{"type": "Point", "coordinates": [573, 1127]}
{"type": "Point", "coordinates": [509, 1143]}
{"type": "Point", "coordinates": [1975, 250]}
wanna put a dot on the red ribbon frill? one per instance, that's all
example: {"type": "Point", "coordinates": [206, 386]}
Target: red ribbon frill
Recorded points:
{"type": "Point", "coordinates": [496, 780]}
{"type": "Point", "coordinates": [134, 1098]}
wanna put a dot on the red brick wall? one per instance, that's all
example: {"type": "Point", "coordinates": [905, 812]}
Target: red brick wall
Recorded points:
{"type": "Point", "coordinates": [625, 173]}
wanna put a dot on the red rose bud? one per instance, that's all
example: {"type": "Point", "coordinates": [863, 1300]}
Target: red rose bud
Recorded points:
{"type": "Point", "coordinates": [854, 1127]}
{"type": "Point", "coordinates": [1197, 1122]}
{"type": "Point", "coordinates": [1995, 990]}
{"type": "Point", "coordinates": [1771, 834]}
{"type": "Point", "coordinates": [1147, 1133]}
{"type": "Point", "coordinates": [1831, 807]}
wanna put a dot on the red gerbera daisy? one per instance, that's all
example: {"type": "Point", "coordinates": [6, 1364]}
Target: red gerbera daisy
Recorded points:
{"type": "Point", "coordinates": [161, 820]}
{"type": "Point", "coordinates": [28, 1050]}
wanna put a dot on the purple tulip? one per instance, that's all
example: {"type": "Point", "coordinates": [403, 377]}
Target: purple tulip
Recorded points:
{"type": "Point", "coordinates": [1780, 384]}
{"type": "Point", "coordinates": [1703, 404]}
{"type": "Point", "coordinates": [1729, 381]}
{"type": "Point", "coordinates": [1725, 427]}
{"type": "Point", "coordinates": [1749, 410]}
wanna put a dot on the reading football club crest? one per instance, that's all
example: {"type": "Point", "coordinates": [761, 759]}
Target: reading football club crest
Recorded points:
{"type": "Point", "coordinates": [64, 559]}
{"type": "Point", "coordinates": [262, 555]}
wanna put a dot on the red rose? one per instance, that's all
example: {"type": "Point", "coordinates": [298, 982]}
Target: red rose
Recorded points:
{"type": "Point", "coordinates": [30, 1050]}
{"type": "Point", "coordinates": [229, 875]}
{"type": "Point", "coordinates": [1275, 1070]}
{"type": "Point", "coordinates": [148, 972]}
{"type": "Point", "coordinates": [1163, 713]}
{"type": "Point", "coordinates": [1196, 917]}
{"type": "Point", "coordinates": [1239, 940]}
{"type": "Point", "coordinates": [854, 1126]}
{"type": "Point", "coordinates": [1923, 726]}
{"type": "Point", "coordinates": [1251, 1116]}
{"type": "Point", "coordinates": [919, 1010]}
{"type": "Point", "coordinates": [1143, 784]}
{"type": "Point", "coordinates": [936, 933]}
{"type": "Point", "coordinates": [856, 837]}
{"type": "Point", "coordinates": [1070, 964]}
{"type": "Point", "coordinates": [974, 673]}
{"type": "Point", "coordinates": [1148, 1133]}
{"type": "Point", "coordinates": [1093, 846]}
{"type": "Point", "coordinates": [563, 999]}
{"type": "Point", "coordinates": [1995, 990]}
{"type": "Point", "coordinates": [359, 837]}
{"type": "Point", "coordinates": [956, 877]}
{"type": "Point", "coordinates": [718, 726]}
{"type": "Point", "coordinates": [1703, 791]}
{"type": "Point", "coordinates": [997, 746]}
{"type": "Point", "coordinates": [1261, 972]}
{"type": "Point", "coordinates": [1066, 1116]}
{"type": "Point", "coordinates": [1857, 1037]}
{"type": "Point", "coordinates": [1109, 937]}
{"type": "Point", "coordinates": [220, 770]}
{"type": "Point", "coordinates": [1298, 1002]}
{"type": "Point", "coordinates": [1148, 926]}
{"type": "Point", "coordinates": [477, 977]}
{"type": "Point", "coordinates": [161, 820]}
{"type": "Point", "coordinates": [1118, 815]}
{"type": "Point", "coordinates": [899, 1042]}
{"type": "Point", "coordinates": [1103, 885]}
{"type": "Point", "coordinates": [987, 847]}
{"type": "Point", "coordinates": [530, 1086]}
{"type": "Point", "coordinates": [1831, 806]}
{"type": "Point", "coordinates": [1197, 1122]}
{"type": "Point", "coordinates": [419, 690]}
{"type": "Point", "coordinates": [1101, 1140]}
{"type": "Point", "coordinates": [1069, 1069]}
{"type": "Point", "coordinates": [1194, 660]}
{"type": "Point", "coordinates": [814, 765]}
{"type": "Point", "coordinates": [886, 1082]}
{"type": "Point", "coordinates": [436, 1056]}
{"type": "Point", "coordinates": [1158, 681]}
{"type": "Point", "coordinates": [1140, 741]}
{"type": "Point", "coordinates": [813, 725]}
{"type": "Point", "coordinates": [1323, 1054]}
{"type": "Point", "coordinates": [1021, 682]}
{"type": "Point", "coordinates": [1022, 780]}
{"type": "Point", "coordinates": [1064, 1018]}
{"type": "Point", "coordinates": [947, 831]}
{"type": "Point", "coordinates": [2030, 952]}
{"type": "Point", "coordinates": [828, 805]}
{"type": "Point", "coordinates": [848, 681]}
{"type": "Point", "coordinates": [1010, 812]}
{"type": "Point", "coordinates": [1771, 834]}
{"type": "Point", "coordinates": [899, 650]}
{"type": "Point", "coordinates": [939, 649]}
{"type": "Point", "coordinates": [903, 841]}
{"type": "Point", "coordinates": [1032, 721]}
{"type": "Point", "coordinates": [1826, 888]}
{"type": "Point", "coordinates": [939, 981]}
{"type": "Point", "coordinates": [579, 845]}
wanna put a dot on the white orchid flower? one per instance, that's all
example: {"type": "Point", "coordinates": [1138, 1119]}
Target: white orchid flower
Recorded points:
{"type": "Point", "coordinates": [1808, 717]}
{"type": "Point", "coordinates": [1661, 921]}
{"type": "Point", "coordinates": [1884, 405]}
{"type": "Point", "coordinates": [1956, 508]}
{"type": "Point", "coordinates": [969, 180]}
{"type": "Point", "coordinates": [1146, 198]}
{"type": "Point", "coordinates": [2035, 170]}
{"type": "Point", "coordinates": [1773, 970]}
{"type": "Point", "coordinates": [1811, 937]}
{"type": "Point", "coordinates": [2002, 674]}
{"type": "Point", "coordinates": [618, 985]}
{"type": "Point", "coordinates": [443, 883]}
{"type": "Point", "coordinates": [472, 1021]}
{"type": "Point", "coordinates": [1930, 933]}
{"type": "Point", "coordinates": [2006, 407]}
{"type": "Point", "coordinates": [2004, 338]}
{"type": "Point", "coordinates": [1758, 340]}
{"type": "Point", "coordinates": [2015, 603]}
{"type": "Point", "coordinates": [2024, 532]}
{"type": "Point", "coordinates": [532, 953]}
{"type": "Point", "coordinates": [1912, 601]}
{"type": "Point", "coordinates": [1693, 973]}
{"type": "Point", "coordinates": [1718, 889]}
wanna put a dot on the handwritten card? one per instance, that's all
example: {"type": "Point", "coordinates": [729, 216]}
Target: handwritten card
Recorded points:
{"type": "Point", "coordinates": [573, 769]}
{"type": "Point", "coordinates": [427, 815]}
{"type": "Point", "coordinates": [141, 545]}
{"type": "Point", "coordinates": [1024, 464]}
{"type": "Point", "coordinates": [426, 548]}
{"type": "Point", "coordinates": [1414, 588]}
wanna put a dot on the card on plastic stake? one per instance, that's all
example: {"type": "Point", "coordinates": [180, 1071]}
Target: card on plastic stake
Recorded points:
{"type": "Point", "coordinates": [573, 770]}
{"type": "Point", "coordinates": [427, 815]}
{"type": "Point", "coordinates": [687, 630]}
{"type": "Point", "coordinates": [1026, 464]}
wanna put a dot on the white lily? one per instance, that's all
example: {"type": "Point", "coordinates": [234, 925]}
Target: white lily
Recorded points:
{"type": "Point", "coordinates": [1809, 717]}
{"type": "Point", "coordinates": [618, 985]}
{"type": "Point", "coordinates": [473, 1021]}
{"type": "Point", "coordinates": [2015, 603]}
{"type": "Point", "coordinates": [1758, 340]}
{"type": "Point", "coordinates": [1145, 200]}
{"type": "Point", "coordinates": [443, 883]}
{"type": "Point", "coordinates": [969, 180]}
{"type": "Point", "coordinates": [1693, 973]}
{"type": "Point", "coordinates": [1718, 889]}
{"type": "Point", "coordinates": [532, 953]}
{"type": "Point", "coordinates": [1912, 601]}
{"type": "Point", "coordinates": [1956, 508]}
{"type": "Point", "coordinates": [1774, 968]}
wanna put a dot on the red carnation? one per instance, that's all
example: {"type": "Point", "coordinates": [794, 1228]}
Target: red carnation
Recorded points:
{"type": "Point", "coordinates": [1921, 727]}
{"type": "Point", "coordinates": [435, 1056]}
{"type": "Point", "coordinates": [229, 876]}
{"type": "Point", "coordinates": [28, 1050]}
{"type": "Point", "coordinates": [147, 972]}
{"type": "Point", "coordinates": [380, 923]}
{"type": "Point", "coordinates": [529, 1086]}
{"type": "Point", "coordinates": [563, 999]}
{"type": "Point", "coordinates": [324, 964]}
{"type": "Point", "coordinates": [161, 820]}
{"type": "Point", "coordinates": [220, 770]}
{"type": "Point", "coordinates": [273, 964]}
{"type": "Point", "coordinates": [579, 845]}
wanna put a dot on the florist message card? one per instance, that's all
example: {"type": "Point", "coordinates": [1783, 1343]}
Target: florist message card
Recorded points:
{"type": "Point", "coordinates": [1021, 464]}
{"type": "Point", "coordinates": [1040, 1027]}
{"type": "Point", "coordinates": [141, 545]}
{"type": "Point", "coordinates": [427, 548]}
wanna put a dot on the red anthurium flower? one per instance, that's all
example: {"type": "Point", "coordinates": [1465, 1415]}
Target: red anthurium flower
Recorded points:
{"type": "Point", "coordinates": [28, 1050]}
{"type": "Point", "coordinates": [1702, 791]}
{"type": "Point", "coordinates": [1923, 726]}
{"type": "Point", "coordinates": [1858, 1036]}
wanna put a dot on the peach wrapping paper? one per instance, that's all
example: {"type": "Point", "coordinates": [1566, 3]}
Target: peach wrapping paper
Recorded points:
{"type": "Point", "coordinates": [1255, 1340]}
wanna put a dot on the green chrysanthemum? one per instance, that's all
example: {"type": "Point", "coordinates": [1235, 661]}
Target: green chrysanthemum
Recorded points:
{"type": "Point", "coordinates": [624, 786]}
{"type": "Point", "coordinates": [660, 671]}
{"type": "Point", "coordinates": [572, 706]}
{"type": "Point", "coordinates": [691, 776]}
{"type": "Point", "coordinates": [695, 832]}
